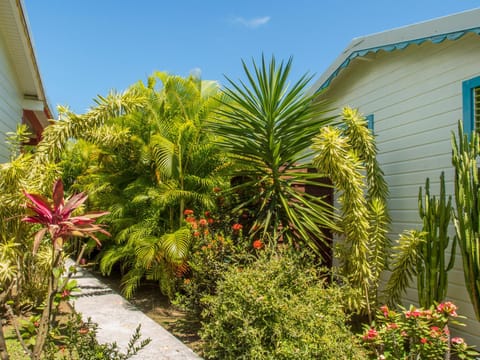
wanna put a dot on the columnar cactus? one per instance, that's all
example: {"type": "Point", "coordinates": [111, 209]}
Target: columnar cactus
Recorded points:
{"type": "Point", "coordinates": [432, 270]}
{"type": "Point", "coordinates": [466, 218]}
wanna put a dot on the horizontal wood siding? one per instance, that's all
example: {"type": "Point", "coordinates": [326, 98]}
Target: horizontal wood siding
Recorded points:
{"type": "Point", "coordinates": [416, 98]}
{"type": "Point", "coordinates": [10, 100]}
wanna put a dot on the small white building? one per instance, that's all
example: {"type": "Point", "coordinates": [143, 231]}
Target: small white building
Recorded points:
{"type": "Point", "coordinates": [22, 96]}
{"type": "Point", "coordinates": [414, 84]}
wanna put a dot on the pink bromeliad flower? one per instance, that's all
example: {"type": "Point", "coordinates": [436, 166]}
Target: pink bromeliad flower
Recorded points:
{"type": "Point", "coordinates": [57, 219]}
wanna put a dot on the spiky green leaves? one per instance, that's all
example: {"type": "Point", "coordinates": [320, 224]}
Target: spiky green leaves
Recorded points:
{"type": "Point", "coordinates": [267, 126]}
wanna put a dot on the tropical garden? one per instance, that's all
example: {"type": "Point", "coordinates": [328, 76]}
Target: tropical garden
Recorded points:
{"type": "Point", "coordinates": [212, 193]}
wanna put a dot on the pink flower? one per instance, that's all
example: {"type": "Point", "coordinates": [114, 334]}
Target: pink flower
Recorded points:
{"type": "Point", "coordinates": [448, 308]}
{"type": "Point", "coordinates": [457, 341]}
{"type": "Point", "coordinates": [384, 309]}
{"type": "Point", "coordinates": [413, 313]}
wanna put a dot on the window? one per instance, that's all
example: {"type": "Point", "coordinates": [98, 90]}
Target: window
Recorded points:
{"type": "Point", "coordinates": [471, 105]}
{"type": "Point", "coordinates": [370, 119]}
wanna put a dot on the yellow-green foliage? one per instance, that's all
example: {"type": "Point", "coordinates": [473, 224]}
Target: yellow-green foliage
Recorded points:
{"type": "Point", "coordinates": [347, 155]}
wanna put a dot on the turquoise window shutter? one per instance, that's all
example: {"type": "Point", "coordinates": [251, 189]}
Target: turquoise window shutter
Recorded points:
{"type": "Point", "coordinates": [370, 122]}
{"type": "Point", "coordinates": [471, 104]}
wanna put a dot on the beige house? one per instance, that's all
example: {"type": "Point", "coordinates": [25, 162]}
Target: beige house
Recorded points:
{"type": "Point", "coordinates": [414, 83]}
{"type": "Point", "coordinates": [22, 96]}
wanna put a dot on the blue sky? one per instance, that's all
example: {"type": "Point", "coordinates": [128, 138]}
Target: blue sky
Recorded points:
{"type": "Point", "coordinates": [88, 47]}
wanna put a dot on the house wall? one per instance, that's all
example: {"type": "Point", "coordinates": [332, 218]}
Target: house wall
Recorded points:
{"type": "Point", "coordinates": [10, 100]}
{"type": "Point", "coordinates": [416, 98]}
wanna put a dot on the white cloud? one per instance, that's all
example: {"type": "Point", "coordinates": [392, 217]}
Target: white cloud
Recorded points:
{"type": "Point", "coordinates": [253, 22]}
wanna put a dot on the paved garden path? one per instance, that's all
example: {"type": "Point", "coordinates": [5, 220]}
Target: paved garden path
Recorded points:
{"type": "Point", "coordinates": [118, 319]}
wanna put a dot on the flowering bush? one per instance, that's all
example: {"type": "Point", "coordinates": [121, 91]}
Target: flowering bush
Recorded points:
{"type": "Point", "coordinates": [415, 334]}
{"type": "Point", "coordinates": [213, 252]}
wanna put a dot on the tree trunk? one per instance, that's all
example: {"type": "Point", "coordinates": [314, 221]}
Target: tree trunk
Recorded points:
{"type": "Point", "coordinates": [3, 345]}
{"type": "Point", "coordinates": [47, 311]}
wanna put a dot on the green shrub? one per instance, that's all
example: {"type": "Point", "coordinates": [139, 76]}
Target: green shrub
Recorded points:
{"type": "Point", "coordinates": [209, 261]}
{"type": "Point", "coordinates": [278, 307]}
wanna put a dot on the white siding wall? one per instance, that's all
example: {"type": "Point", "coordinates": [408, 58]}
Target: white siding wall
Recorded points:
{"type": "Point", "coordinates": [10, 100]}
{"type": "Point", "coordinates": [416, 97]}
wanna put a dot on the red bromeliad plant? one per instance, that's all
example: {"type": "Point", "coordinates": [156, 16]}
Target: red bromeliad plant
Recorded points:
{"type": "Point", "coordinates": [56, 218]}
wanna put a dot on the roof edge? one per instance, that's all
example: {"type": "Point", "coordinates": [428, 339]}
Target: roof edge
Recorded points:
{"type": "Point", "coordinates": [450, 27]}
{"type": "Point", "coordinates": [30, 51]}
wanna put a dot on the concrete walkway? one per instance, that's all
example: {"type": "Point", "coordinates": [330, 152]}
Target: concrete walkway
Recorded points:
{"type": "Point", "coordinates": [117, 320]}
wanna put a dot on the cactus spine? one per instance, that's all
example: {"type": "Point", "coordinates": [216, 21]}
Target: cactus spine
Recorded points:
{"type": "Point", "coordinates": [466, 218]}
{"type": "Point", "coordinates": [432, 272]}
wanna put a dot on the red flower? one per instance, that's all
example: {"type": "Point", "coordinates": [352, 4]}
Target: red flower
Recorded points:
{"type": "Point", "coordinates": [210, 221]}
{"type": "Point", "coordinates": [370, 335]}
{"type": "Point", "coordinates": [392, 326]}
{"type": "Point", "coordinates": [207, 214]}
{"type": "Point", "coordinates": [237, 227]}
{"type": "Point", "coordinates": [435, 331]}
{"type": "Point", "coordinates": [423, 340]}
{"type": "Point", "coordinates": [202, 222]}
{"type": "Point", "coordinates": [65, 294]}
{"type": "Point", "coordinates": [257, 244]}
{"type": "Point", "coordinates": [196, 233]}
{"type": "Point", "coordinates": [188, 212]}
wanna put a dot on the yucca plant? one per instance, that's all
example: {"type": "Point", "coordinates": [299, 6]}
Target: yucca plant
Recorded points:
{"type": "Point", "coordinates": [266, 124]}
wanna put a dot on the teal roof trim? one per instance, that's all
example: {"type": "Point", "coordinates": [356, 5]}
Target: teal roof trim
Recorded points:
{"type": "Point", "coordinates": [435, 39]}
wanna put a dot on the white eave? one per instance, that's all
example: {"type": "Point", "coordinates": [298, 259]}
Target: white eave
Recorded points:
{"type": "Point", "coordinates": [15, 30]}
{"type": "Point", "coordinates": [450, 27]}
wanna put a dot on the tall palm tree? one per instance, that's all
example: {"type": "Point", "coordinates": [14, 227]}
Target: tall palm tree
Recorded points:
{"type": "Point", "coordinates": [150, 164]}
{"type": "Point", "coordinates": [267, 126]}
